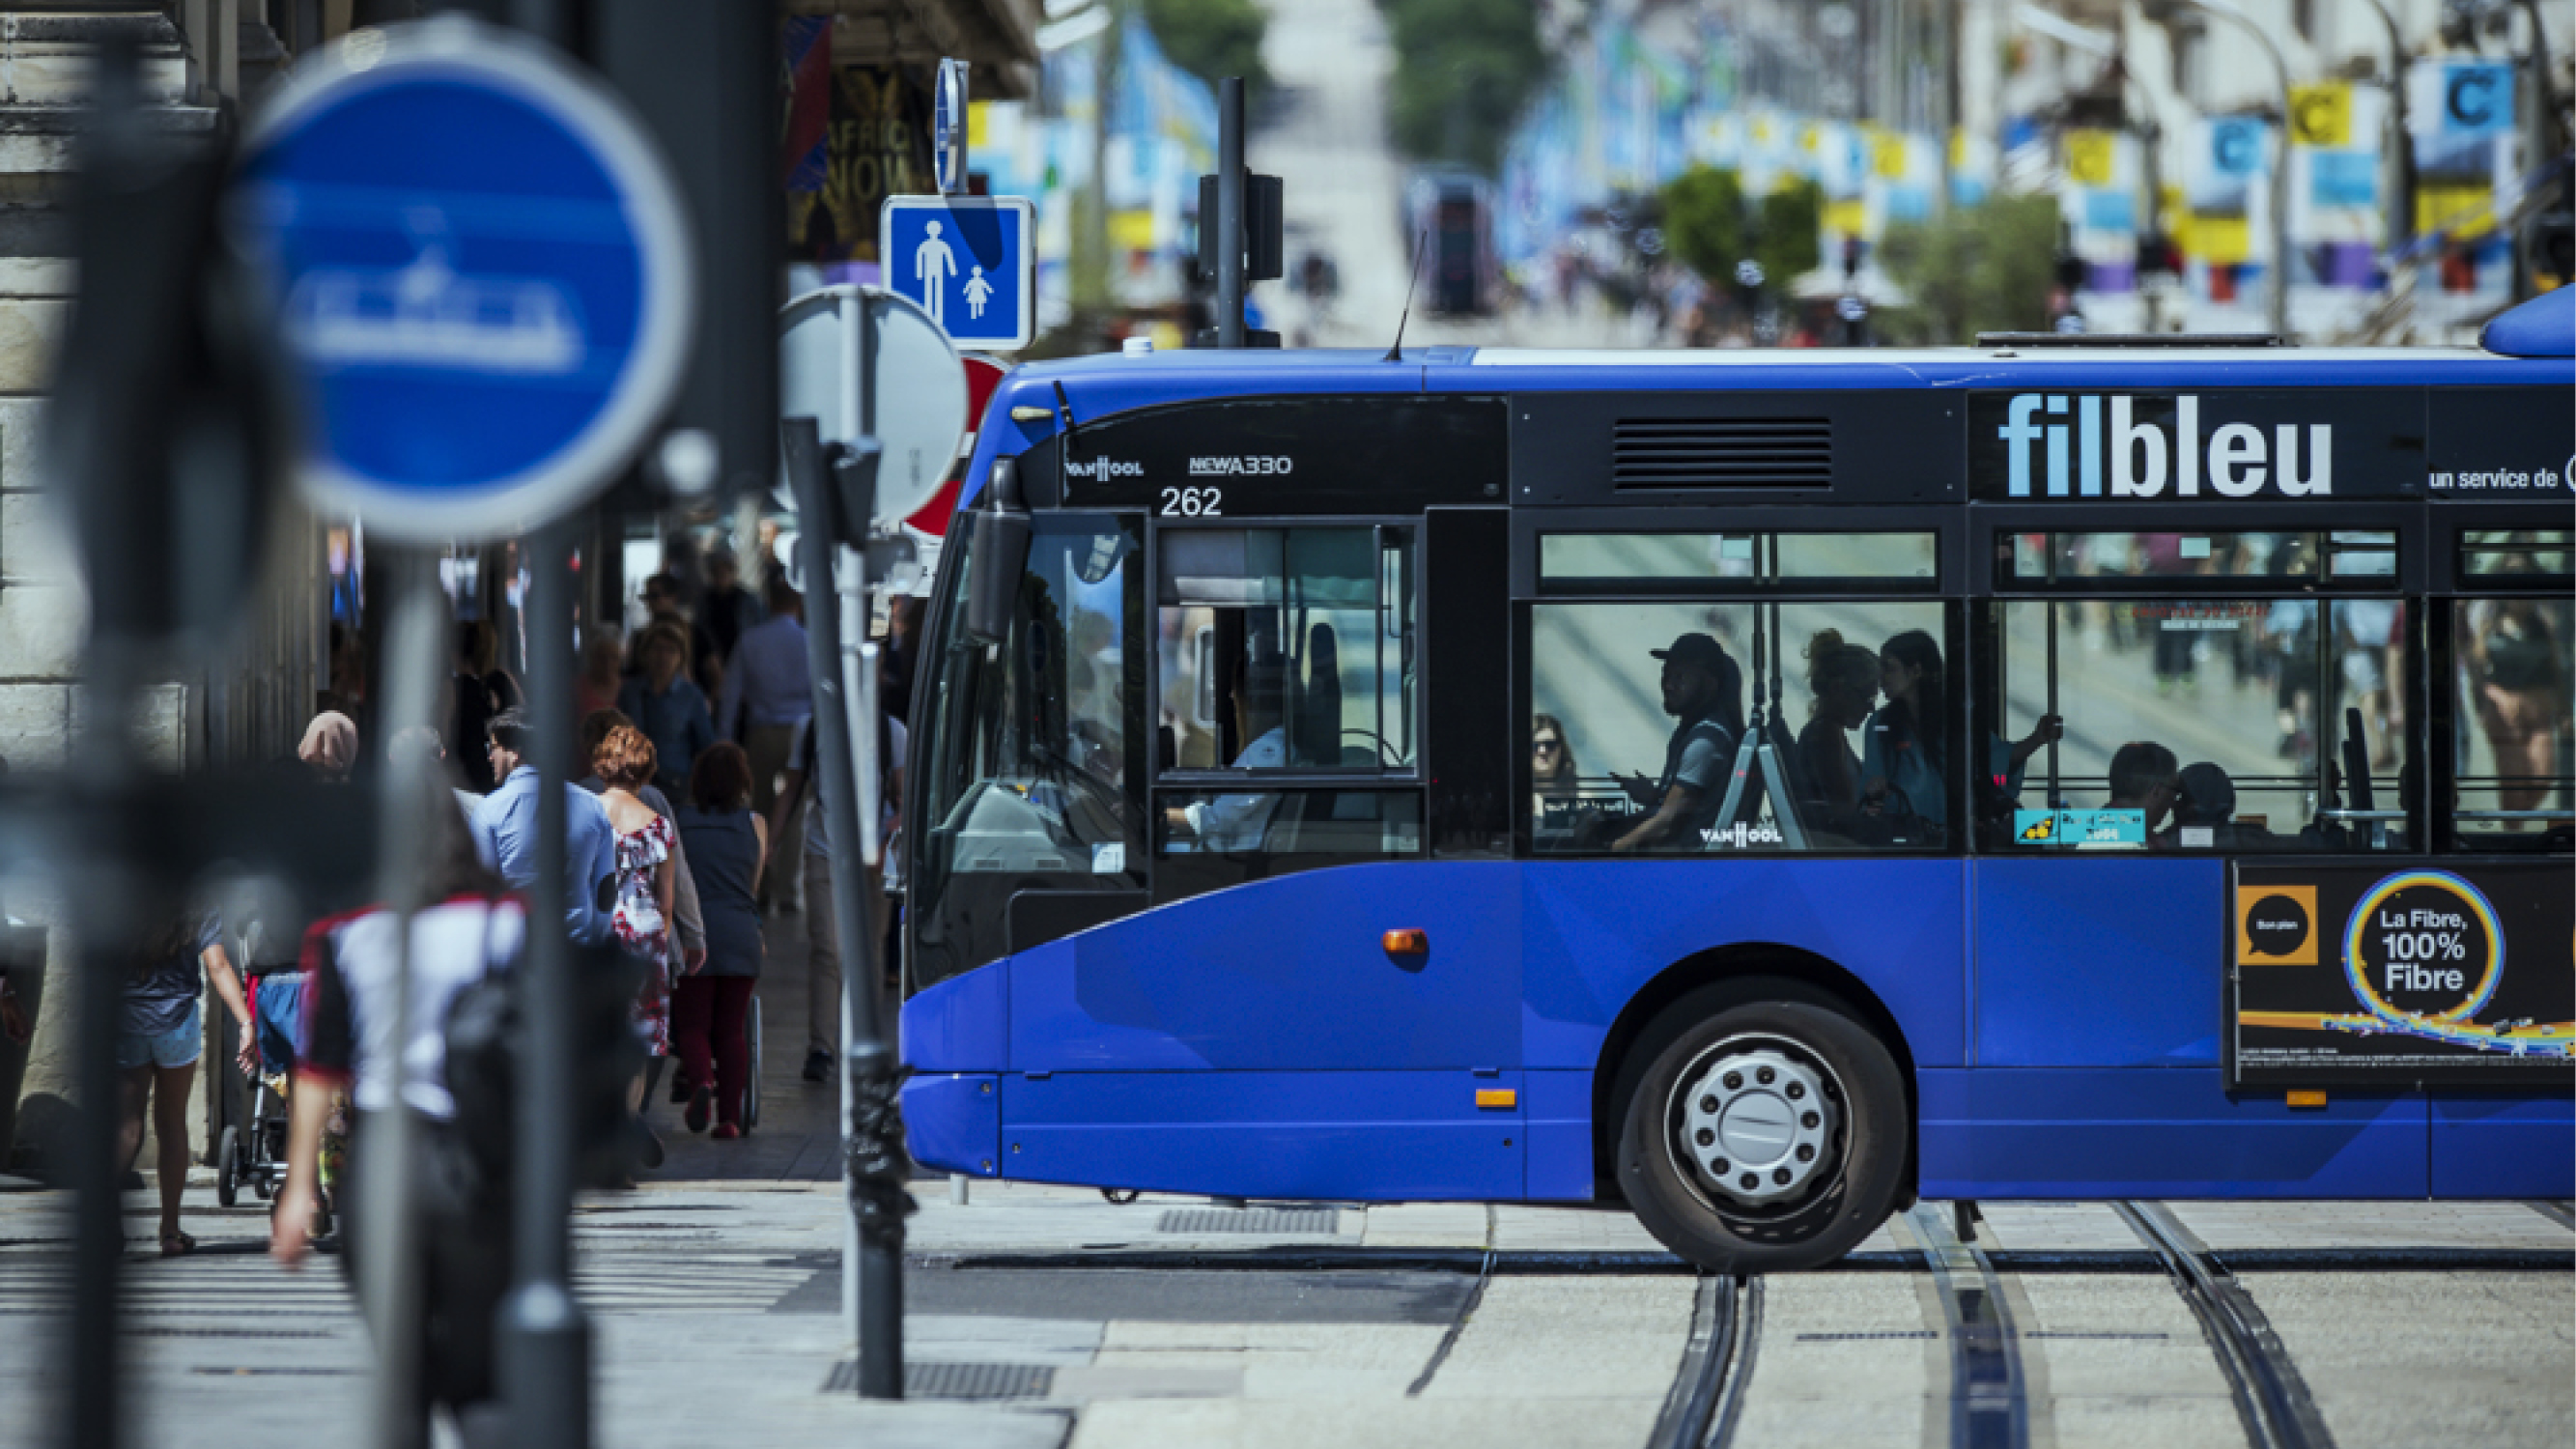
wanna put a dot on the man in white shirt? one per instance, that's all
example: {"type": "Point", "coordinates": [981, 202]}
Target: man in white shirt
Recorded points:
{"type": "Point", "coordinates": [1231, 823]}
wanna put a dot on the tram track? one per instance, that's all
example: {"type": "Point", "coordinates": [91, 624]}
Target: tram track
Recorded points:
{"type": "Point", "coordinates": [2272, 1400]}
{"type": "Point", "coordinates": [1989, 1392]}
{"type": "Point", "coordinates": [1707, 1396]}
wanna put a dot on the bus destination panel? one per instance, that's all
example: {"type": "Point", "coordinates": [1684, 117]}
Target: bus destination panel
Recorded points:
{"type": "Point", "coordinates": [2458, 975]}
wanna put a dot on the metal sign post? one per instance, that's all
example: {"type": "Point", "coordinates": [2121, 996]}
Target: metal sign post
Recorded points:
{"type": "Point", "coordinates": [948, 128]}
{"type": "Point", "coordinates": [876, 404]}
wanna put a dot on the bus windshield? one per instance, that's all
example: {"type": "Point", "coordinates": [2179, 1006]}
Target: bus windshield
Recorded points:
{"type": "Point", "coordinates": [1027, 758]}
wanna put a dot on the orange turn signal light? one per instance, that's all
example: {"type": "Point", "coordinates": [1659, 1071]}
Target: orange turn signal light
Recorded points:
{"type": "Point", "coordinates": [2308, 1097]}
{"type": "Point", "coordinates": [1407, 943]}
{"type": "Point", "coordinates": [1497, 1097]}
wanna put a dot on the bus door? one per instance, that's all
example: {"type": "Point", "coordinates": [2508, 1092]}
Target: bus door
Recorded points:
{"type": "Point", "coordinates": [1311, 1008]}
{"type": "Point", "coordinates": [2230, 701]}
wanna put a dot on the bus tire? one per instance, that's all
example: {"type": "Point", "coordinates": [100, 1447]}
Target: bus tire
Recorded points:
{"type": "Point", "coordinates": [1766, 1137]}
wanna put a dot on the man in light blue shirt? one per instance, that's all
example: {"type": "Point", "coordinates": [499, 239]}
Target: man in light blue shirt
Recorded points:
{"type": "Point", "coordinates": [505, 833]}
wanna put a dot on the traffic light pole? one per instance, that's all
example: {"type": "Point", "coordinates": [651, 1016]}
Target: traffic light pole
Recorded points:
{"type": "Point", "coordinates": [1229, 212]}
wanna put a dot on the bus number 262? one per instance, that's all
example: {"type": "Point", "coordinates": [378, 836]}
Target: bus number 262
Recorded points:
{"type": "Point", "coordinates": [1193, 502]}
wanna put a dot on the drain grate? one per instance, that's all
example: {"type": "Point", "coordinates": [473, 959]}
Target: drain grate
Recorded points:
{"type": "Point", "coordinates": [955, 1380]}
{"type": "Point", "coordinates": [1852, 1337]}
{"type": "Point", "coordinates": [1249, 1220]}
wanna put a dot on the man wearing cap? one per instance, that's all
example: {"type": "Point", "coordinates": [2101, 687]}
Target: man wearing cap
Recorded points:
{"type": "Point", "coordinates": [1704, 691]}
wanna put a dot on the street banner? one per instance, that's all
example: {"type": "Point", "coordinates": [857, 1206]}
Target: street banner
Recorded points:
{"type": "Point", "coordinates": [2321, 115]}
{"type": "Point", "coordinates": [2367, 975]}
{"type": "Point", "coordinates": [853, 136]}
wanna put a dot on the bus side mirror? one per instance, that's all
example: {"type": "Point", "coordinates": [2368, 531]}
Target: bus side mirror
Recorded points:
{"type": "Point", "coordinates": [997, 553]}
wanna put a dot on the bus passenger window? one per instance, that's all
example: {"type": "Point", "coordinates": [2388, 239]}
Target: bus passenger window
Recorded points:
{"type": "Point", "coordinates": [2201, 723]}
{"type": "Point", "coordinates": [2513, 738]}
{"type": "Point", "coordinates": [1698, 728]}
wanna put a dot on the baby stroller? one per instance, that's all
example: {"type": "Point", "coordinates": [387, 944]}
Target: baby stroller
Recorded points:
{"type": "Point", "coordinates": [253, 1154]}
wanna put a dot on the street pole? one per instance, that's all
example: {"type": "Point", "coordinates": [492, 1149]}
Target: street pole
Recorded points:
{"type": "Point", "coordinates": [387, 1227]}
{"type": "Point", "coordinates": [2278, 289]}
{"type": "Point", "coordinates": [2401, 224]}
{"type": "Point", "coordinates": [545, 1337]}
{"type": "Point", "coordinates": [1229, 212]}
{"type": "Point", "coordinates": [871, 1126]}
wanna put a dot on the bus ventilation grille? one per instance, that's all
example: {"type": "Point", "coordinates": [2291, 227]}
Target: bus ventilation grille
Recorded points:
{"type": "Point", "coordinates": [1721, 453]}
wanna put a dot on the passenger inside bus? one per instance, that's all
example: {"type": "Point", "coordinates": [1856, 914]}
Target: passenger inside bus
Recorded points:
{"type": "Point", "coordinates": [1703, 690]}
{"type": "Point", "coordinates": [1844, 679]}
{"type": "Point", "coordinates": [2143, 779]}
{"type": "Point", "coordinates": [1555, 779]}
{"type": "Point", "coordinates": [2204, 809]}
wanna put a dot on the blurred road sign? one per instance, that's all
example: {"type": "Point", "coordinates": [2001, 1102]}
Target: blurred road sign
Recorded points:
{"type": "Point", "coordinates": [983, 374]}
{"type": "Point", "coordinates": [948, 128]}
{"type": "Point", "coordinates": [971, 262]}
{"type": "Point", "coordinates": [862, 362]}
{"type": "Point", "coordinates": [485, 273]}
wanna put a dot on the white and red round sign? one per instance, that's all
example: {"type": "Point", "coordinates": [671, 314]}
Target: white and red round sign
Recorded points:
{"type": "Point", "coordinates": [983, 375]}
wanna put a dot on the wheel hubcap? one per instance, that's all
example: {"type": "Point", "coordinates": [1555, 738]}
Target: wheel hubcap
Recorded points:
{"type": "Point", "coordinates": [1758, 1125]}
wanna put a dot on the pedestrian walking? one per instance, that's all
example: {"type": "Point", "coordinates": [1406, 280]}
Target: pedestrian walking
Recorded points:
{"type": "Point", "coordinates": [822, 927]}
{"type": "Point", "coordinates": [161, 1032]}
{"type": "Point", "coordinates": [475, 929]}
{"type": "Point", "coordinates": [668, 706]}
{"type": "Point", "coordinates": [641, 919]}
{"type": "Point", "coordinates": [730, 843]}
{"type": "Point", "coordinates": [505, 831]}
{"type": "Point", "coordinates": [727, 609]}
{"type": "Point", "coordinates": [768, 693]}
{"type": "Point", "coordinates": [330, 746]}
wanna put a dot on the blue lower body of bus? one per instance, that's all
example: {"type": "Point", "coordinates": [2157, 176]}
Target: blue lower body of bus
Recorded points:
{"type": "Point", "coordinates": [2061, 1020]}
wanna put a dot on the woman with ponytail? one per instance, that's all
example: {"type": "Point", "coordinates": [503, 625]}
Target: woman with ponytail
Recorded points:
{"type": "Point", "coordinates": [1903, 747]}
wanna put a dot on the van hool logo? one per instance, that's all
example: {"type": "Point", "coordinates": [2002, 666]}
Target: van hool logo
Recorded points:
{"type": "Point", "coordinates": [1101, 470]}
{"type": "Point", "coordinates": [2124, 445]}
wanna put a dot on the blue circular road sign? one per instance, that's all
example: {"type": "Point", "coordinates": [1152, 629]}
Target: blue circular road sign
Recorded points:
{"type": "Point", "coordinates": [484, 275]}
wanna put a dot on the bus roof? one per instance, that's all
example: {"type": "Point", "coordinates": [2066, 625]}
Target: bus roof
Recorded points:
{"type": "Point", "coordinates": [1037, 401]}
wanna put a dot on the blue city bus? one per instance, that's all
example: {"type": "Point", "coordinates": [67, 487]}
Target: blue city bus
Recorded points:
{"type": "Point", "coordinates": [1759, 787]}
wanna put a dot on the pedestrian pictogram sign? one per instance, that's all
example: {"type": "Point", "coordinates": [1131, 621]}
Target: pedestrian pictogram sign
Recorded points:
{"type": "Point", "coordinates": [970, 261]}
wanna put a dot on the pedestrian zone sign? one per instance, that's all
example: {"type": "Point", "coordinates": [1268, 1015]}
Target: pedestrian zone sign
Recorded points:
{"type": "Point", "coordinates": [970, 261]}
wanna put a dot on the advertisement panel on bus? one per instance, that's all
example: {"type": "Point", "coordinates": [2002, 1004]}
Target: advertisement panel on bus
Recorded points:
{"type": "Point", "coordinates": [2462, 975]}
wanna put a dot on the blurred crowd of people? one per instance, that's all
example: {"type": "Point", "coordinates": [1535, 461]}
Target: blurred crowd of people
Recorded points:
{"type": "Point", "coordinates": [686, 830]}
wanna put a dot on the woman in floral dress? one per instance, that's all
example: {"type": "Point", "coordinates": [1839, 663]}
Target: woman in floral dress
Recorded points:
{"type": "Point", "coordinates": [645, 844]}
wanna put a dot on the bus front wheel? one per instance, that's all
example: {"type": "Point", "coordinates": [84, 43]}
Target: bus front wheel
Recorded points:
{"type": "Point", "coordinates": [1766, 1137]}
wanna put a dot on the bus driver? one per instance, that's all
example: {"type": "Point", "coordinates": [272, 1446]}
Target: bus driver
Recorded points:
{"type": "Point", "coordinates": [1238, 822]}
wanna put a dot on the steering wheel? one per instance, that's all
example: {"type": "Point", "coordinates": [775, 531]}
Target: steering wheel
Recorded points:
{"type": "Point", "coordinates": [1387, 757]}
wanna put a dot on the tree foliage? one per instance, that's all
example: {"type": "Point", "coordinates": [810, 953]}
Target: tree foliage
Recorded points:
{"type": "Point", "coordinates": [1213, 39]}
{"type": "Point", "coordinates": [1463, 70]}
{"type": "Point", "coordinates": [1785, 241]}
{"type": "Point", "coordinates": [1983, 268]}
{"type": "Point", "coordinates": [1704, 221]}
{"type": "Point", "coordinates": [1710, 226]}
